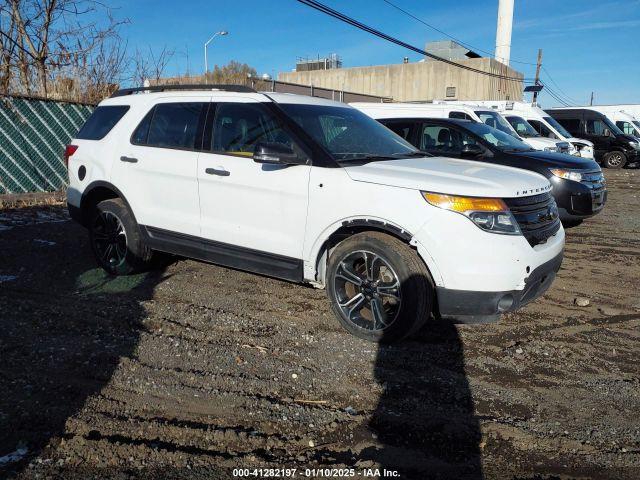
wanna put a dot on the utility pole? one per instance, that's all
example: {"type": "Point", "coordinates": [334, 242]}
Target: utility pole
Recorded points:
{"type": "Point", "coordinates": [591, 102]}
{"type": "Point", "coordinates": [534, 99]}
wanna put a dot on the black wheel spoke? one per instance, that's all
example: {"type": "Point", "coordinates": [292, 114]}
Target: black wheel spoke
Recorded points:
{"type": "Point", "coordinates": [368, 290]}
{"type": "Point", "coordinates": [109, 239]}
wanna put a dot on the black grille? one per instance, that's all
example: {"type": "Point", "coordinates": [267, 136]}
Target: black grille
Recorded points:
{"type": "Point", "coordinates": [537, 216]}
{"type": "Point", "coordinates": [594, 180]}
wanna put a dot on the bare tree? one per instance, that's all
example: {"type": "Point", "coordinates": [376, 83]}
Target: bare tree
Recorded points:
{"type": "Point", "coordinates": [51, 39]}
{"type": "Point", "coordinates": [150, 65]}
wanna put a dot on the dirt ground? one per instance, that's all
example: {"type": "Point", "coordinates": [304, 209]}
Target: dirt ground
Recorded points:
{"type": "Point", "coordinates": [195, 370]}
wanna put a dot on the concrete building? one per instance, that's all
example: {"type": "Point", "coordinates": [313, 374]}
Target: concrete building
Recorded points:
{"type": "Point", "coordinates": [421, 81]}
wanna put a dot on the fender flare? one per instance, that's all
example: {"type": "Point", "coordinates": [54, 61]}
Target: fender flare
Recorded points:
{"type": "Point", "coordinates": [92, 187]}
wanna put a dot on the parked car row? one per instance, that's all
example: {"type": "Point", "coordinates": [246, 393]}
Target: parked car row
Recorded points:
{"type": "Point", "coordinates": [434, 222]}
{"type": "Point", "coordinates": [578, 184]}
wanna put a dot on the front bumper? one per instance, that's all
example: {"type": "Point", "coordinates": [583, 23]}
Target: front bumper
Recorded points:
{"type": "Point", "coordinates": [578, 200]}
{"type": "Point", "coordinates": [467, 306]}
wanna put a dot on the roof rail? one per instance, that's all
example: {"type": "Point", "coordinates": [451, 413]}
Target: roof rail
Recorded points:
{"type": "Point", "coordinates": [162, 88]}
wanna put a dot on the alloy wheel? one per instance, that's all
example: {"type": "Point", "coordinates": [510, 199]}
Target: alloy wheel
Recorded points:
{"type": "Point", "coordinates": [367, 290]}
{"type": "Point", "coordinates": [110, 239]}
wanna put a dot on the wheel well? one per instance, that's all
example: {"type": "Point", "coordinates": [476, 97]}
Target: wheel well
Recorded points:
{"type": "Point", "coordinates": [349, 229]}
{"type": "Point", "coordinates": [92, 198]}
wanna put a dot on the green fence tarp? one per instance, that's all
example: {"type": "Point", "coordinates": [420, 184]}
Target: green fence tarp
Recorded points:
{"type": "Point", "coordinates": [33, 134]}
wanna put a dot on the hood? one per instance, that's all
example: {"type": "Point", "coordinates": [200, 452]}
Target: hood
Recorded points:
{"type": "Point", "coordinates": [628, 138]}
{"type": "Point", "coordinates": [580, 140]}
{"type": "Point", "coordinates": [555, 160]}
{"type": "Point", "coordinates": [451, 176]}
{"type": "Point", "coordinates": [541, 142]}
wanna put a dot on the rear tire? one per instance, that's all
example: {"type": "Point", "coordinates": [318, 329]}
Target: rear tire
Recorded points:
{"type": "Point", "coordinates": [116, 240]}
{"type": "Point", "coordinates": [614, 159]}
{"type": "Point", "coordinates": [380, 289]}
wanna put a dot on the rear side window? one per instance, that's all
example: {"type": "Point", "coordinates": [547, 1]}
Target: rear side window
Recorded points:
{"type": "Point", "coordinates": [571, 124]}
{"type": "Point", "coordinates": [101, 121]}
{"type": "Point", "coordinates": [171, 125]}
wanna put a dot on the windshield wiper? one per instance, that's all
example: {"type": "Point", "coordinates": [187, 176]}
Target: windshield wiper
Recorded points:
{"type": "Point", "coordinates": [367, 158]}
{"type": "Point", "coordinates": [412, 154]}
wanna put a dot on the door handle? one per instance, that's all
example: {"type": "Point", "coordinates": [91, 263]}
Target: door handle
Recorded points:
{"type": "Point", "coordinates": [218, 171]}
{"type": "Point", "coordinates": [128, 159]}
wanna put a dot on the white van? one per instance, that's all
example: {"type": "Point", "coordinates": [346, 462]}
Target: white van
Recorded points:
{"type": "Point", "coordinates": [624, 120]}
{"type": "Point", "coordinates": [529, 120]}
{"type": "Point", "coordinates": [459, 110]}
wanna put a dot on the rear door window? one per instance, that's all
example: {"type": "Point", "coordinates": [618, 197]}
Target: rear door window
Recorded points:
{"type": "Point", "coordinates": [101, 121]}
{"type": "Point", "coordinates": [175, 125]}
{"type": "Point", "coordinates": [400, 127]}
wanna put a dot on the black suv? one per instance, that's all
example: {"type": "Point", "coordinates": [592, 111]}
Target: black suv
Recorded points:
{"type": "Point", "coordinates": [612, 147]}
{"type": "Point", "coordinates": [578, 183]}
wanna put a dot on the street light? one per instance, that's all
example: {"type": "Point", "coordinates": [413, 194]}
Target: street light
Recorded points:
{"type": "Point", "coordinates": [206, 64]}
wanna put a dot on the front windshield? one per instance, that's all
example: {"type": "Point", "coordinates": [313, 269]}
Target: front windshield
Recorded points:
{"type": "Point", "coordinates": [495, 120]}
{"type": "Point", "coordinates": [612, 126]}
{"type": "Point", "coordinates": [497, 138]}
{"type": "Point", "coordinates": [522, 127]}
{"type": "Point", "coordinates": [558, 128]}
{"type": "Point", "coordinates": [348, 134]}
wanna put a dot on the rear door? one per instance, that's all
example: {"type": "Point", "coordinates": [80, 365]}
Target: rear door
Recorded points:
{"type": "Point", "coordinates": [157, 170]}
{"type": "Point", "coordinates": [250, 212]}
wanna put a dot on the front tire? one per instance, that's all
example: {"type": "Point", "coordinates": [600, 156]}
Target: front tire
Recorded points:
{"type": "Point", "coordinates": [614, 159]}
{"type": "Point", "coordinates": [380, 290]}
{"type": "Point", "coordinates": [116, 240]}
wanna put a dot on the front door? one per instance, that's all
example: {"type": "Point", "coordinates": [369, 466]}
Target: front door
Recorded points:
{"type": "Point", "coordinates": [157, 171]}
{"type": "Point", "coordinates": [250, 210]}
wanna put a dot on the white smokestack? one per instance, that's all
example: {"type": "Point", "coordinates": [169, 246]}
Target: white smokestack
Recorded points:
{"type": "Point", "coordinates": [503, 33]}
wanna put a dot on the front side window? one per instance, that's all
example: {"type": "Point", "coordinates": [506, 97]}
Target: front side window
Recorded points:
{"type": "Point", "coordinates": [443, 139]}
{"type": "Point", "coordinates": [171, 125]}
{"type": "Point", "coordinates": [599, 125]}
{"type": "Point", "coordinates": [522, 127]}
{"type": "Point", "coordinates": [626, 127]}
{"type": "Point", "coordinates": [101, 121]}
{"type": "Point", "coordinates": [348, 134]}
{"type": "Point", "coordinates": [239, 127]}
{"type": "Point", "coordinates": [542, 129]}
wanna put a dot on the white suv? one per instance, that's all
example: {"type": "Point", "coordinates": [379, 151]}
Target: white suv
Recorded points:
{"type": "Point", "coordinates": [310, 190]}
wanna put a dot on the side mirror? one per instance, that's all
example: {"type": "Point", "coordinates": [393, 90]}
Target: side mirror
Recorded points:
{"type": "Point", "coordinates": [472, 150]}
{"type": "Point", "coordinates": [276, 154]}
{"type": "Point", "coordinates": [606, 132]}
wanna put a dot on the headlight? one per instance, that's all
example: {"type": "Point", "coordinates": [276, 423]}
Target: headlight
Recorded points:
{"type": "Point", "coordinates": [489, 214]}
{"type": "Point", "coordinates": [567, 174]}
{"type": "Point", "coordinates": [635, 145]}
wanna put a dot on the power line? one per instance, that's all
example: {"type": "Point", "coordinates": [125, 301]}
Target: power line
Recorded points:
{"type": "Point", "coordinates": [335, 14]}
{"type": "Point", "coordinates": [464, 44]}
{"type": "Point", "coordinates": [558, 86]}
{"type": "Point", "coordinates": [553, 94]}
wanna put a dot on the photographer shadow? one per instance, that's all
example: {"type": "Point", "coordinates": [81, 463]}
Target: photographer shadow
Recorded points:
{"type": "Point", "coordinates": [424, 420]}
{"type": "Point", "coordinates": [65, 326]}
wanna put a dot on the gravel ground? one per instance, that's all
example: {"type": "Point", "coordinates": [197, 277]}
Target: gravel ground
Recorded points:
{"type": "Point", "coordinates": [194, 370]}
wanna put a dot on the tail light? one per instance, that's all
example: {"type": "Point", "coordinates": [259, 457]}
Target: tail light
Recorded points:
{"type": "Point", "coordinates": [69, 150]}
